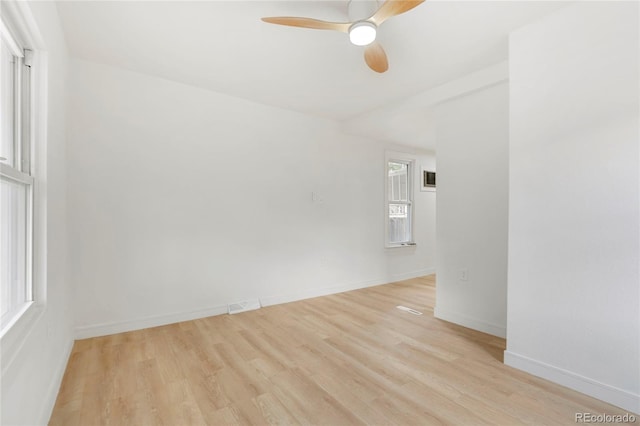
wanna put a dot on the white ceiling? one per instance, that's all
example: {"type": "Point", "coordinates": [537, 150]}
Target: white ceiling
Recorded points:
{"type": "Point", "coordinates": [225, 47]}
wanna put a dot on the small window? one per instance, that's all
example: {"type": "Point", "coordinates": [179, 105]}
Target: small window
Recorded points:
{"type": "Point", "coordinates": [16, 182]}
{"type": "Point", "coordinates": [399, 202]}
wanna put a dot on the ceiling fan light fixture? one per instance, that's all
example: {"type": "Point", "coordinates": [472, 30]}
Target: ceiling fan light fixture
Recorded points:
{"type": "Point", "coordinates": [362, 33]}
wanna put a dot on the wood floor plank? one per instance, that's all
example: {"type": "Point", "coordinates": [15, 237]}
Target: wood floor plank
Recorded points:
{"type": "Point", "coordinates": [366, 412]}
{"type": "Point", "coordinates": [185, 410]}
{"type": "Point", "coordinates": [273, 411]}
{"type": "Point", "coordinates": [344, 359]}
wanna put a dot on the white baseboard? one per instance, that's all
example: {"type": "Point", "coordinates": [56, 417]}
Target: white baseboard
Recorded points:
{"type": "Point", "coordinates": [104, 329]}
{"type": "Point", "coordinates": [615, 396]}
{"type": "Point", "coordinates": [409, 275]}
{"type": "Point", "coordinates": [54, 387]}
{"type": "Point", "coordinates": [87, 331]}
{"type": "Point", "coordinates": [473, 323]}
{"type": "Point", "coordinates": [317, 292]}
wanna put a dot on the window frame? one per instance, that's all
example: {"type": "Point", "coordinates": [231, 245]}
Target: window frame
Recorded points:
{"type": "Point", "coordinates": [18, 168]}
{"type": "Point", "coordinates": [17, 20]}
{"type": "Point", "coordinates": [11, 174]}
{"type": "Point", "coordinates": [410, 161]}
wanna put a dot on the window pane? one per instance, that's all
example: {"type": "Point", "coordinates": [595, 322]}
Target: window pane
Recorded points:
{"type": "Point", "coordinates": [7, 104]}
{"type": "Point", "coordinates": [13, 249]}
{"type": "Point", "coordinates": [399, 223]}
{"type": "Point", "coordinates": [398, 182]}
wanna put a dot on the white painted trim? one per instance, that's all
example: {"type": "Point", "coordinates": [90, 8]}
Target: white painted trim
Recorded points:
{"type": "Point", "coordinates": [104, 329]}
{"type": "Point", "coordinates": [317, 292]}
{"type": "Point", "coordinates": [26, 30]}
{"type": "Point", "coordinates": [411, 161]}
{"type": "Point", "coordinates": [412, 274]}
{"type": "Point", "coordinates": [473, 323]}
{"type": "Point", "coordinates": [54, 387]}
{"type": "Point", "coordinates": [12, 173]}
{"type": "Point", "coordinates": [87, 331]}
{"type": "Point", "coordinates": [8, 38]}
{"type": "Point", "coordinates": [15, 337]}
{"type": "Point", "coordinates": [22, 25]}
{"type": "Point", "coordinates": [615, 396]}
{"type": "Point", "coordinates": [15, 317]}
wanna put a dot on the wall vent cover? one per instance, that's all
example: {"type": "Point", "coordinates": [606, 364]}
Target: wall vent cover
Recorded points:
{"type": "Point", "coordinates": [411, 311]}
{"type": "Point", "coordinates": [244, 306]}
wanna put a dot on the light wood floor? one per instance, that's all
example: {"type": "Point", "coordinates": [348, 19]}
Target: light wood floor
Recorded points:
{"type": "Point", "coordinates": [345, 359]}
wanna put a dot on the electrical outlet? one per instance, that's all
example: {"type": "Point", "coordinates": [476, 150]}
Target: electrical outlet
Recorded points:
{"type": "Point", "coordinates": [464, 274]}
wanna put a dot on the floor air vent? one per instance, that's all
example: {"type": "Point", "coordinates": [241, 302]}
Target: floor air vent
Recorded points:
{"type": "Point", "coordinates": [244, 306]}
{"type": "Point", "coordinates": [411, 311]}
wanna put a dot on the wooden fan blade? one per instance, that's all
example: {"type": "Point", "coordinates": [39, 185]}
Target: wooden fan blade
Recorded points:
{"type": "Point", "coordinates": [392, 8]}
{"type": "Point", "coordinates": [375, 57]}
{"type": "Point", "coordinates": [315, 24]}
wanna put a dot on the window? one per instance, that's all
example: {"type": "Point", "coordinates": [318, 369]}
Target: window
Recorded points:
{"type": "Point", "coordinates": [16, 181]}
{"type": "Point", "coordinates": [399, 201]}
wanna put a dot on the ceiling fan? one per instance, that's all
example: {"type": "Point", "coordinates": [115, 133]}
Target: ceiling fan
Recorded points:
{"type": "Point", "coordinates": [361, 32]}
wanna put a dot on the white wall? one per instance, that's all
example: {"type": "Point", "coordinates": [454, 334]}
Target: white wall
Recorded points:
{"type": "Point", "coordinates": [472, 153]}
{"type": "Point", "coordinates": [574, 215]}
{"type": "Point", "coordinates": [182, 200]}
{"type": "Point", "coordinates": [34, 357]}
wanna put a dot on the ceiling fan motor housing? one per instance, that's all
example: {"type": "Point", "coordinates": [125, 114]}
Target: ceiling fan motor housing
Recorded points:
{"type": "Point", "coordinates": [362, 33]}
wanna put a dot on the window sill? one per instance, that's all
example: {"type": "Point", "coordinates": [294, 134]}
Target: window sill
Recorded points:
{"type": "Point", "coordinates": [400, 245]}
{"type": "Point", "coordinates": [17, 315]}
{"type": "Point", "coordinates": [14, 335]}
